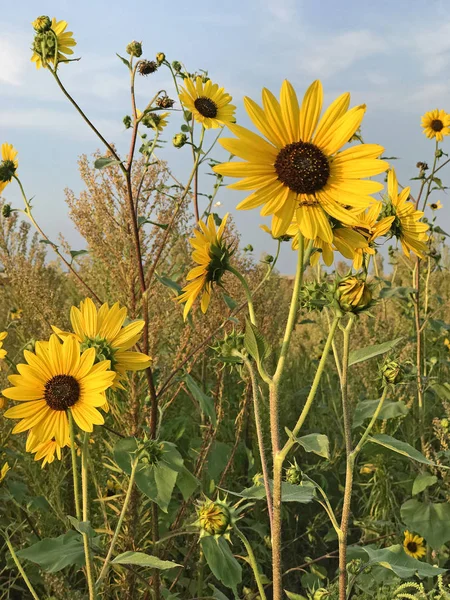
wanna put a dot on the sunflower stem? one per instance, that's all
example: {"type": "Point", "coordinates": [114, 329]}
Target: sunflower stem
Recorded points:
{"type": "Point", "coordinates": [73, 453]}
{"type": "Point", "coordinates": [85, 494]}
{"type": "Point", "coordinates": [20, 568]}
{"type": "Point", "coordinates": [248, 293]}
{"type": "Point", "coordinates": [253, 563]}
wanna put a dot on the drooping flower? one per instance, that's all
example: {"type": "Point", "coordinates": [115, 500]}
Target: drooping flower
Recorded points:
{"type": "Point", "coordinates": [406, 225]}
{"type": "Point", "coordinates": [104, 331]}
{"type": "Point", "coordinates": [208, 103]}
{"type": "Point", "coordinates": [413, 545]}
{"type": "Point", "coordinates": [436, 124]}
{"type": "Point", "coordinates": [372, 228]}
{"type": "Point", "coordinates": [212, 257]}
{"type": "Point", "coordinates": [300, 170]}
{"type": "Point", "coordinates": [45, 42]}
{"type": "Point", "coordinates": [58, 379]}
{"type": "Point", "coordinates": [47, 451]}
{"type": "Point", "coordinates": [8, 165]}
{"type": "Point", "coordinates": [3, 352]}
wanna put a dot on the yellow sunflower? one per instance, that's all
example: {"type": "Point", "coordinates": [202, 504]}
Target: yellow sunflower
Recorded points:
{"type": "Point", "coordinates": [211, 255]}
{"type": "Point", "coordinates": [5, 468]}
{"type": "Point", "coordinates": [8, 165]}
{"type": "Point", "coordinates": [413, 545]}
{"type": "Point", "coordinates": [436, 124]}
{"type": "Point", "coordinates": [104, 331]}
{"type": "Point", "coordinates": [436, 205]}
{"type": "Point", "coordinates": [208, 103]}
{"type": "Point", "coordinates": [300, 170]}
{"type": "Point", "coordinates": [372, 228]}
{"type": "Point", "coordinates": [43, 450]}
{"type": "Point", "coordinates": [406, 225]}
{"type": "Point", "coordinates": [15, 314]}
{"type": "Point", "coordinates": [3, 352]}
{"type": "Point", "coordinates": [65, 44]}
{"type": "Point", "coordinates": [152, 119]}
{"type": "Point", "coordinates": [57, 379]}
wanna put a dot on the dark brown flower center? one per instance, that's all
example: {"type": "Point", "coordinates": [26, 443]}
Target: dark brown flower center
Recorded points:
{"type": "Point", "coordinates": [303, 167]}
{"type": "Point", "coordinates": [437, 125]}
{"type": "Point", "coordinates": [61, 392]}
{"type": "Point", "coordinates": [412, 546]}
{"type": "Point", "coordinates": [206, 107]}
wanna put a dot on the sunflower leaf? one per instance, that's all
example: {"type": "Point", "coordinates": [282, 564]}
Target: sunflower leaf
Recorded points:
{"type": "Point", "coordinates": [429, 520]}
{"type": "Point", "coordinates": [104, 161]}
{"type": "Point", "coordinates": [255, 343]}
{"type": "Point", "coordinates": [221, 561]}
{"type": "Point", "coordinates": [143, 560]}
{"type": "Point", "coordinates": [362, 354]}
{"type": "Point", "coordinates": [124, 60]}
{"type": "Point", "coordinates": [404, 566]}
{"type": "Point", "coordinates": [400, 447]}
{"type": "Point", "coordinates": [54, 554]}
{"type": "Point", "coordinates": [206, 402]}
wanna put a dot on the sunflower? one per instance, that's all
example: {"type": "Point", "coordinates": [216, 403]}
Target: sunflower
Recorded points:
{"type": "Point", "coordinates": [152, 119]}
{"type": "Point", "coordinates": [15, 314]}
{"type": "Point", "coordinates": [65, 44]}
{"type": "Point", "coordinates": [413, 545]}
{"type": "Point", "coordinates": [299, 169]}
{"type": "Point", "coordinates": [406, 225]}
{"type": "Point", "coordinates": [436, 124]}
{"type": "Point", "coordinates": [57, 379]}
{"type": "Point", "coordinates": [8, 165]}
{"type": "Point", "coordinates": [372, 228]}
{"type": "Point", "coordinates": [103, 330]}
{"type": "Point", "coordinates": [208, 103]}
{"type": "Point", "coordinates": [436, 205]}
{"type": "Point", "coordinates": [43, 450]}
{"type": "Point", "coordinates": [3, 352]}
{"type": "Point", "coordinates": [5, 468]}
{"type": "Point", "coordinates": [211, 255]}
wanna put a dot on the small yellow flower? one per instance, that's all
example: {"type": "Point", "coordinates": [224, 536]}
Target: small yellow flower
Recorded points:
{"type": "Point", "coordinates": [447, 343]}
{"type": "Point", "coordinates": [436, 124]}
{"type": "Point", "coordinates": [3, 471]}
{"type": "Point", "coordinates": [15, 314]}
{"type": "Point", "coordinates": [3, 352]}
{"type": "Point", "coordinates": [47, 39]}
{"type": "Point", "coordinates": [209, 104]}
{"type": "Point", "coordinates": [436, 205]}
{"type": "Point", "coordinates": [8, 165]}
{"type": "Point", "coordinates": [413, 545]}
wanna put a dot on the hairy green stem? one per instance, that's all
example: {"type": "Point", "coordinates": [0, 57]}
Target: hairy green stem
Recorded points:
{"type": "Point", "coordinates": [253, 563]}
{"type": "Point", "coordinates": [20, 568]}
{"type": "Point", "coordinates": [73, 453]}
{"type": "Point", "coordinates": [85, 496]}
{"type": "Point", "coordinates": [248, 293]}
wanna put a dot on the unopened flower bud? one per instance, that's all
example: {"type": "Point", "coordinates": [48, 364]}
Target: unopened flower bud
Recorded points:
{"type": "Point", "coordinates": [445, 423]}
{"type": "Point", "coordinates": [391, 371]}
{"type": "Point", "coordinates": [176, 66]}
{"type": "Point", "coordinates": [134, 49]}
{"type": "Point", "coordinates": [294, 474]}
{"type": "Point", "coordinates": [42, 24]}
{"type": "Point", "coordinates": [214, 518]}
{"type": "Point", "coordinates": [146, 67]}
{"type": "Point", "coordinates": [160, 58]}
{"type": "Point", "coordinates": [179, 140]}
{"type": "Point", "coordinates": [6, 210]}
{"type": "Point", "coordinates": [127, 121]}
{"type": "Point", "coordinates": [438, 153]}
{"type": "Point", "coordinates": [7, 170]}
{"type": "Point", "coordinates": [353, 294]}
{"type": "Point", "coordinates": [321, 594]}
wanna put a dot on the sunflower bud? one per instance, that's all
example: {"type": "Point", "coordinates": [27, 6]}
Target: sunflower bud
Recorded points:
{"type": "Point", "coordinates": [230, 347]}
{"type": "Point", "coordinates": [7, 170]}
{"type": "Point", "coordinates": [165, 102]}
{"type": "Point", "coordinates": [258, 479]}
{"type": "Point", "coordinates": [176, 66]}
{"type": "Point", "coordinates": [147, 67]}
{"type": "Point", "coordinates": [321, 594]}
{"type": "Point", "coordinates": [354, 566]}
{"type": "Point", "coordinates": [160, 58]}
{"type": "Point", "coordinates": [214, 517]}
{"type": "Point", "coordinates": [353, 294]}
{"type": "Point", "coordinates": [179, 140]}
{"type": "Point", "coordinates": [134, 49]}
{"type": "Point", "coordinates": [150, 452]}
{"type": "Point", "coordinates": [294, 474]}
{"type": "Point", "coordinates": [391, 372]}
{"type": "Point", "coordinates": [6, 210]}
{"type": "Point", "coordinates": [127, 121]}
{"type": "Point", "coordinates": [439, 153]}
{"type": "Point", "coordinates": [42, 24]}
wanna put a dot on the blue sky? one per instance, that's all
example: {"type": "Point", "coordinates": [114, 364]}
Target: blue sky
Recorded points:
{"type": "Point", "coordinates": [393, 56]}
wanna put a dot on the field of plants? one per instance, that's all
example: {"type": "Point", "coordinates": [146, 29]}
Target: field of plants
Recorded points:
{"type": "Point", "coordinates": [181, 421]}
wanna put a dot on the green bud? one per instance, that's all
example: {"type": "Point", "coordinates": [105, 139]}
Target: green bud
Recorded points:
{"type": "Point", "coordinates": [134, 49]}
{"type": "Point", "coordinates": [214, 517]}
{"type": "Point", "coordinates": [294, 474]}
{"type": "Point", "coordinates": [391, 371]}
{"type": "Point", "coordinates": [179, 140]}
{"type": "Point", "coordinates": [438, 153]}
{"type": "Point", "coordinates": [248, 248]}
{"type": "Point", "coordinates": [7, 170]}
{"type": "Point", "coordinates": [42, 24]}
{"type": "Point", "coordinates": [6, 210]}
{"type": "Point", "coordinates": [176, 66]}
{"type": "Point", "coordinates": [321, 594]}
{"type": "Point", "coordinates": [127, 121]}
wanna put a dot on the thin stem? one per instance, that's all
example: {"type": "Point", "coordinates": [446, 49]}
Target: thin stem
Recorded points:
{"type": "Point", "coordinates": [259, 434]}
{"type": "Point", "coordinates": [73, 453]}
{"type": "Point", "coordinates": [253, 563]}
{"type": "Point", "coordinates": [20, 568]}
{"type": "Point", "coordinates": [85, 495]}
{"type": "Point", "coordinates": [248, 293]}
{"type": "Point", "coordinates": [366, 433]}
{"type": "Point", "coordinates": [126, 502]}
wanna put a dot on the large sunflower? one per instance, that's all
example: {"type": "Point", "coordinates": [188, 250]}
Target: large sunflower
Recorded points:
{"type": "Point", "coordinates": [104, 331]}
{"type": "Point", "coordinates": [208, 103]}
{"type": "Point", "coordinates": [299, 169]}
{"type": "Point", "coordinates": [372, 228]}
{"type": "Point", "coordinates": [8, 165]}
{"type": "Point", "coordinates": [436, 124]}
{"type": "Point", "coordinates": [65, 44]}
{"type": "Point", "coordinates": [211, 255]}
{"type": "Point", "coordinates": [413, 545]}
{"type": "Point", "coordinates": [55, 380]}
{"type": "Point", "coordinates": [406, 225]}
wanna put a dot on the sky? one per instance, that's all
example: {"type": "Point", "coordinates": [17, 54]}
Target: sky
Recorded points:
{"type": "Point", "coordinates": [392, 56]}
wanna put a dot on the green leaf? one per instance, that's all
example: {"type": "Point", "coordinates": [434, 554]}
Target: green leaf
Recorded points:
{"type": "Point", "coordinates": [293, 596]}
{"type": "Point", "coordinates": [357, 356]}
{"type": "Point", "coordinates": [187, 483]}
{"type": "Point", "coordinates": [390, 410]}
{"type": "Point", "coordinates": [103, 162]}
{"type": "Point", "coordinates": [75, 253]}
{"type": "Point", "coordinates": [440, 231]}
{"type": "Point", "coordinates": [404, 566]}
{"type": "Point", "coordinates": [206, 402]}
{"type": "Point", "coordinates": [400, 447]}
{"type": "Point", "coordinates": [422, 482]}
{"type": "Point", "coordinates": [170, 283]}
{"type": "Point", "coordinates": [431, 521]}
{"type": "Point", "coordinates": [54, 554]}
{"type": "Point", "coordinates": [185, 128]}
{"type": "Point", "coordinates": [82, 526]}
{"type": "Point", "coordinates": [397, 292]}
{"type": "Point", "coordinates": [49, 243]}
{"type": "Point", "coordinates": [255, 343]}
{"type": "Point", "coordinates": [442, 390]}
{"type": "Point", "coordinates": [221, 561]}
{"type": "Point", "coordinates": [124, 60]}
{"type": "Point", "coordinates": [143, 221]}
{"type": "Point", "coordinates": [314, 442]}
{"type": "Point", "coordinates": [303, 493]}
{"type": "Point", "coordinates": [229, 301]}
{"type": "Point", "coordinates": [143, 560]}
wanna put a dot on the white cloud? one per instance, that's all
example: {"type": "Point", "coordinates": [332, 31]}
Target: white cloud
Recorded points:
{"type": "Point", "coordinates": [13, 60]}
{"type": "Point", "coordinates": [284, 11]}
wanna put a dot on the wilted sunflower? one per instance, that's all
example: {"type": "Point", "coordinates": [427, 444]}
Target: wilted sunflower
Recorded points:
{"type": "Point", "coordinates": [104, 331]}
{"type": "Point", "coordinates": [406, 225]}
{"type": "Point", "coordinates": [3, 352]}
{"type": "Point", "coordinates": [212, 256]}
{"type": "Point", "coordinates": [8, 165]}
{"type": "Point", "coordinates": [208, 103]}
{"type": "Point", "coordinates": [372, 228]}
{"type": "Point", "coordinates": [413, 545]}
{"type": "Point", "coordinates": [57, 379]}
{"type": "Point", "coordinates": [43, 450]}
{"type": "Point", "coordinates": [436, 124]}
{"type": "Point", "coordinates": [299, 169]}
{"type": "Point", "coordinates": [65, 44]}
